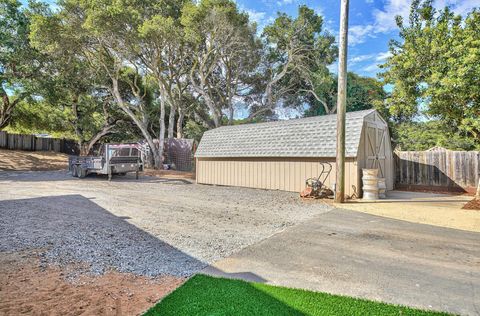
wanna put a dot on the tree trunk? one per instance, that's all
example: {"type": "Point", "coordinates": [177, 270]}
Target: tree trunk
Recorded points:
{"type": "Point", "coordinates": [230, 116]}
{"type": "Point", "coordinates": [84, 150]}
{"type": "Point", "coordinates": [157, 158]}
{"type": "Point", "coordinates": [106, 130]}
{"type": "Point", "coordinates": [231, 110]}
{"type": "Point", "coordinates": [143, 127]}
{"type": "Point", "coordinates": [181, 116]}
{"type": "Point", "coordinates": [171, 121]}
{"type": "Point", "coordinates": [6, 108]}
{"type": "Point", "coordinates": [204, 119]}
{"type": "Point", "coordinates": [216, 116]}
{"type": "Point", "coordinates": [161, 136]}
{"type": "Point", "coordinates": [76, 127]}
{"type": "Point", "coordinates": [200, 89]}
{"type": "Point", "coordinates": [4, 120]}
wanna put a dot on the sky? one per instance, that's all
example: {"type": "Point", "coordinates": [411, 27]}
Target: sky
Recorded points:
{"type": "Point", "coordinates": [371, 23]}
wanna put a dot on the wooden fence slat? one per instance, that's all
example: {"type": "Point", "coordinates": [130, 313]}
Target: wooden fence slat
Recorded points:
{"type": "Point", "coordinates": [452, 170]}
{"type": "Point", "coordinates": [473, 156]}
{"type": "Point", "coordinates": [443, 176]}
{"type": "Point", "coordinates": [3, 139]}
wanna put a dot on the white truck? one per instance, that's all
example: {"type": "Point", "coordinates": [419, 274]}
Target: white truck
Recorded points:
{"type": "Point", "coordinates": [112, 159]}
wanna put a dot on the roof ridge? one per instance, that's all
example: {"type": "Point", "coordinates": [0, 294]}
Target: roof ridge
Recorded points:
{"type": "Point", "coordinates": [290, 121]}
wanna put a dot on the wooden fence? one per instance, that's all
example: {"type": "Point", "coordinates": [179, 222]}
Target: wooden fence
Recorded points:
{"type": "Point", "coordinates": [438, 169]}
{"type": "Point", "coordinates": [34, 143]}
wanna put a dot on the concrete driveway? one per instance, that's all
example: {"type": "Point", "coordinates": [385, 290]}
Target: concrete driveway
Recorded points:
{"type": "Point", "coordinates": [362, 255]}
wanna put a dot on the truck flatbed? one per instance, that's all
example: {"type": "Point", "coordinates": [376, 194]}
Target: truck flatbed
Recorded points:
{"type": "Point", "coordinates": [112, 159]}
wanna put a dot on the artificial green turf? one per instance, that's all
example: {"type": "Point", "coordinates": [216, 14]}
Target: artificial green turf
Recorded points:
{"type": "Point", "coordinates": [205, 295]}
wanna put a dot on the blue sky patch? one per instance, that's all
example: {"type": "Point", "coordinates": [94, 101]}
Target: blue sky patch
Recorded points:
{"type": "Point", "coordinates": [371, 23]}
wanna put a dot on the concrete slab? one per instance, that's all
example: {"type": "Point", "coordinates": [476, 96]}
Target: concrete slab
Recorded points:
{"type": "Point", "coordinates": [361, 255]}
{"type": "Point", "coordinates": [425, 208]}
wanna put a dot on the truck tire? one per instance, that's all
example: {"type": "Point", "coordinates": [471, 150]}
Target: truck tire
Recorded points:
{"type": "Point", "coordinates": [82, 172]}
{"type": "Point", "coordinates": [74, 171]}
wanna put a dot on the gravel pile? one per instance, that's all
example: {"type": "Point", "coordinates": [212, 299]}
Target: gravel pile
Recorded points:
{"type": "Point", "coordinates": [148, 227]}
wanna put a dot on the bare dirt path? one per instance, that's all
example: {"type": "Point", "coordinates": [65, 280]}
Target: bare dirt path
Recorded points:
{"type": "Point", "coordinates": [27, 287]}
{"type": "Point", "coordinates": [17, 160]}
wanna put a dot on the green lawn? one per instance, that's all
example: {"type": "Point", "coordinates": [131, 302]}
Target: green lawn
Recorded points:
{"type": "Point", "coordinates": [205, 295]}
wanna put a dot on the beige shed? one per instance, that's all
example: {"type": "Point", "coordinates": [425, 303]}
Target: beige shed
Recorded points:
{"type": "Point", "coordinates": [282, 155]}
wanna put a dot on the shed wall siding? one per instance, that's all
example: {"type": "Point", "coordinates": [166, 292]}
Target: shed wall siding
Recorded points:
{"type": "Point", "coordinates": [286, 174]}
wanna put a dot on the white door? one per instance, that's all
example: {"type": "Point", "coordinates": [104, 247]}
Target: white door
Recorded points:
{"type": "Point", "coordinates": [375, 139]}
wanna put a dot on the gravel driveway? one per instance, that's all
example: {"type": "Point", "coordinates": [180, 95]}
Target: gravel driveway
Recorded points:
{"type": "Point", "coordinates": [150, 227]}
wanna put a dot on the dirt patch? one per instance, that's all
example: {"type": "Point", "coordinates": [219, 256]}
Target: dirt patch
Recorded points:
{"type": "Point", "coordinates": [170, 174]}
{"type": "Point", "coordinates": [472, 205]}
{"type": "Point", "coordinates": [32, 160]}
{"type": "Point", "coordinates": [27, 288]}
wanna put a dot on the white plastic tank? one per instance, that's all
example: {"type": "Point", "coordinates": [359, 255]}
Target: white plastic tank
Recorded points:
{"type": "Point", "coordinates": [370, 184]}
{"type": "Point", "coordinates": [382, 188]}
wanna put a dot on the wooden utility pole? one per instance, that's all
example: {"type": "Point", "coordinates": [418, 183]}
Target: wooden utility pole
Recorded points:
{"type": "Point", "coordinates": [341, 103]}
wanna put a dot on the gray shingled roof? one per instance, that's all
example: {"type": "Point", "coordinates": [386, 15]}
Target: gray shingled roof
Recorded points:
{"type": "Point", "coordinates": [305, 137]}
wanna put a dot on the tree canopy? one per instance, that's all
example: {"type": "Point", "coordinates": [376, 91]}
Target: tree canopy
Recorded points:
{"type": "Point", "coordinates": [362, 93]}
{"type": "Point", "coordinates": [435, 70]}
{"type": "Point", "coordinates": [20, 63]}
{"type": "Point", "coordinates": [172, 64]}
{"type": "Point", "coordinates": [97, 70]}
{"type": "Point", "coordinates": [294, 64]}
